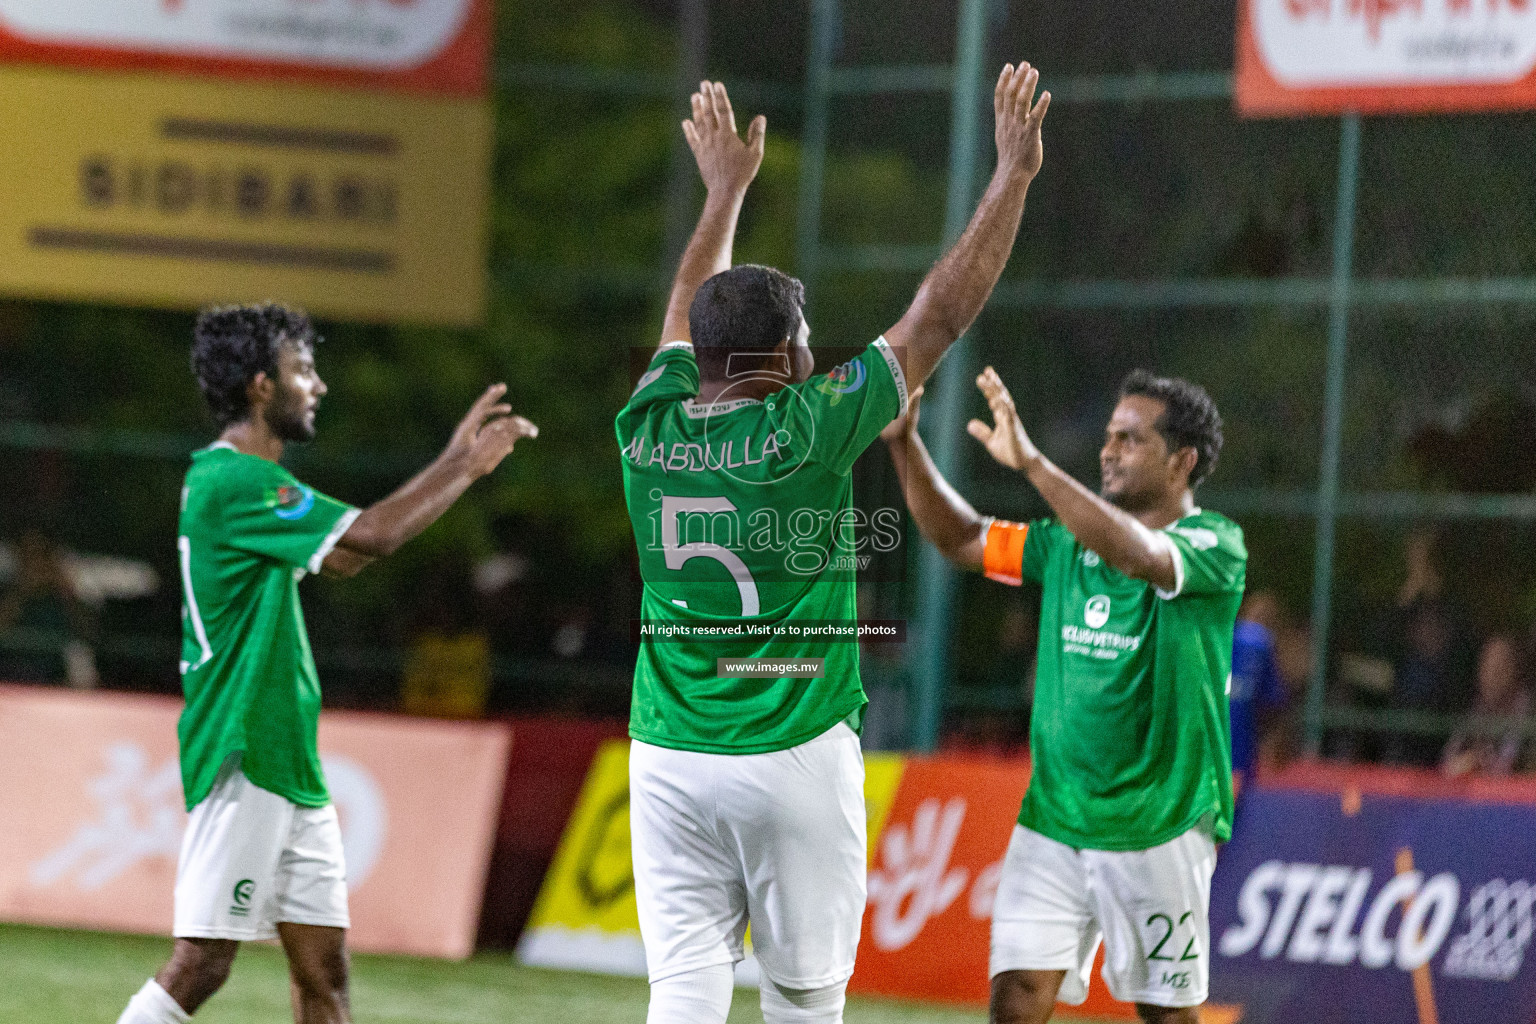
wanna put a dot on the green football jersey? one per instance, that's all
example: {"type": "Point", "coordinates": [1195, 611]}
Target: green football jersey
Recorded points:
{"type": "Point", "coordinates": [744, 519]}
{"type": "Point", "coordinates": [249, 532]}
{"type": "Point", "coordinates": [1130, 737]}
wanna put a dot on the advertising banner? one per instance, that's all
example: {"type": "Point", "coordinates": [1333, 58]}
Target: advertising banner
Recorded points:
{"type": "Point", "coordinates": [932, 880]}
{"type": "Point", "coordinates": [1385, 56]}
{"type": "Point", "coordinates": [938, 828]}
{"type": "Point", "coordinates": [585, 918]}
{"type": "Point", "coordinates": [418, 45]}
{"type": "Point", "coordinates": [1346, 895]}
{"type": "Point", "coordinates": [94, 817]}
{"type": "Point", "coordinates": [1346, 907]}
{"type": "Point", "coordinates": [329, 153]}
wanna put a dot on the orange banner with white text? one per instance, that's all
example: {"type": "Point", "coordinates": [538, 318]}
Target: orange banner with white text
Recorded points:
{"type": "Point", "coordinates": [424, 46]}
{"type": "Point", "coordinates": [1385, 56]}
{"type": "Point", "coordinates": [92, 805]}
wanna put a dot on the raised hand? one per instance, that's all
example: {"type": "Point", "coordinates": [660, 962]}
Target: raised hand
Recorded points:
{"type": "Point", "coordinates": [726, 163]}
{"type": "Point", "coordinates": [495, 441]}
{"type": "Point", "coordinates": [488, 432]}
{"type": "Point", "coordinates": [1006, 440]}
{"type": "Point", "coordinates": [1019, 116]}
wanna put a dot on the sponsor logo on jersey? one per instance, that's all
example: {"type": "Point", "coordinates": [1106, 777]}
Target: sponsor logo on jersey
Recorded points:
{"type": "Point", "coordinates": [844, 380]}
{"type": "Point", "coordinates": [1096, 611]}
{"type": "Point", "coordinates": [242, 893]}
{"type": "Point", "coordinates": [291, 501]}
{"type": "Point", "coordinates": [1093, 639]}
{"type": "Point", "coordinates": [1336, 915]}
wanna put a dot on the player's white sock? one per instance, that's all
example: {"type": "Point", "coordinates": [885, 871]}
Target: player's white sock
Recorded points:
{"type": "Point", "coordinates": [693, 997]}
{"type": "Point", "coordinates": [153, 1005]}
{"type": "Point", "coordinates": [803, 1005]}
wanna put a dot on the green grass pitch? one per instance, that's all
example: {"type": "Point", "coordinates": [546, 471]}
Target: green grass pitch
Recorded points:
{"type": "Point", "coordinates": [65, 977]}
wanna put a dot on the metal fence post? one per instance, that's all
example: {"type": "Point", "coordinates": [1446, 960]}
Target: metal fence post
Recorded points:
{"type": "Point", "coordinates": [813, 139]}
{"type": "Point", "coordinates": [928, 639]}
{"type": "Point", "coordinates": [693, 57]}
{"type": "Point", "coordinates": [1333, 414]}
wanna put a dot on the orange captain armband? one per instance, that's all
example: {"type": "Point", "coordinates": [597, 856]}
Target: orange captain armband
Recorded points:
{"type": "Point", "coordinates": [1003, 557]}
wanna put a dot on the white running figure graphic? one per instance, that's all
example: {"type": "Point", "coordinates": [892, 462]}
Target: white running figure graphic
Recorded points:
{"type": "Point", "coordinates": [139, 816]}
{"type": "Point", "coordinates": [917, 882]}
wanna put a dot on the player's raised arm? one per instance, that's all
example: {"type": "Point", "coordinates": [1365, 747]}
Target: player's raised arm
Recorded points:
{"type": "Point", "coordinates": [942, 515]}
{"type": "Point", "coordinates": [957, 287]}
{"type": "Point", "coordinates": [1118, 537]}
{"type": "Point", "coordinates": [727, 164]}
{"type": "Point", "coordinates": [482, 439]}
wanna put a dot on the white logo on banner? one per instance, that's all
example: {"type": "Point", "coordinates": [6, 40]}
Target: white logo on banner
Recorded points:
{"type": "Point", "coordinates": [377, 35]}
{"type": "Point", "coordinates": [1499, 927]}
{"type": "Point", "coordinates": [1396, 42]}
{"type": "Point", "coordinates": [139, 816]}
{"type": "Point", "coordinates": [363, 812]}
{"type": "Point", "coordinates": [1315, 913]}
{"type": "Point", "coordinates": [916, 882]}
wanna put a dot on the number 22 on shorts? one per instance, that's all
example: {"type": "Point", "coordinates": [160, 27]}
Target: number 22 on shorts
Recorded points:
{"type": "Point", "coordinates": [1166, 924]}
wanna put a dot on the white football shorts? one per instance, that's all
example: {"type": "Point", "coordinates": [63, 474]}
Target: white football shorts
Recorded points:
{"type": "Point", "coordinates": [777, 839]}
{"type": "Point", "coordinates": [1151, 909]}
{"type": "Point", "coordinates": [251, 858]}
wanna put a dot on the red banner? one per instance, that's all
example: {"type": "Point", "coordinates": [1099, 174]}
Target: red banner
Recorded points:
{"type": "Point", "coordinates": [1385, 56]}
{"type": "Point", "coordinates": [423, 46]}
{"type": "Point", "coordinates": [93, 809]}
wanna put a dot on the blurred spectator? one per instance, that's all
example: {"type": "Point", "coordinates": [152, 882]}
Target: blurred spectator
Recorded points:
{"type": "Point", "coordinates": [1257, 693]}
{"type": "Point", "coordinates": [1501, 691]}
{"type": "Point", "coordinates": [49, 626]}
{"type": "Point", "coordinates": [1432, 665]}
{"type": "Point", "coordinates": [1278, 721]}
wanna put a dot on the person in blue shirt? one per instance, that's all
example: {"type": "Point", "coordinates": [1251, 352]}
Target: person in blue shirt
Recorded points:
{"type": "Point", "coordinates": [1256, 684]}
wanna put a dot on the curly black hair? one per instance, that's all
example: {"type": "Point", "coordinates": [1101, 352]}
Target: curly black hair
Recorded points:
{"type": "Point", "coordinates": [745, 309]}
{"type": "Point", "coordinates": [232, 344]}
{"type": "Point", "coordinates": [1189, 418]}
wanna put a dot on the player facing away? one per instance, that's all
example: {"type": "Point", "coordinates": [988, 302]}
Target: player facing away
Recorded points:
{"type": "Point", "coordinates": [1132, 781]}
{"type": "Point", "coordinates": [262, 854]}
{"type": "Point", "coordinates": [746, 793]}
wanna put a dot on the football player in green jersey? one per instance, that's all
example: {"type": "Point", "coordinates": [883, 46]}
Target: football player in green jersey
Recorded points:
{"type": "Point", "coordinates": [262, 854]}
{"type": "Point", "coordinates": [1132, 780]}
{"type": "Point", "coordinates": [746, 778]}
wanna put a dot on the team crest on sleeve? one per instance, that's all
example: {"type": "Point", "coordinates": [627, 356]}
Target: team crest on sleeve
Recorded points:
{"type": "Point", "coordinates": [648, 378]}
{"type": "Point", "coordinates": [291, 501]}
{"type": "Point", "coordinates": [844, 380]}
{"type": "Point", "coordinates": [1200, 538]}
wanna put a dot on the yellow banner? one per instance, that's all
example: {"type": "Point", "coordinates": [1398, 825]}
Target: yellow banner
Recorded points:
{"type": "Point", "coordinates": [185, 191]}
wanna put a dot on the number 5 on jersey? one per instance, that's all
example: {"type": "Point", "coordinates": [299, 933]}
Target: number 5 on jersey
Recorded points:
{"type": "Point", "coordinates": [678, 555]}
